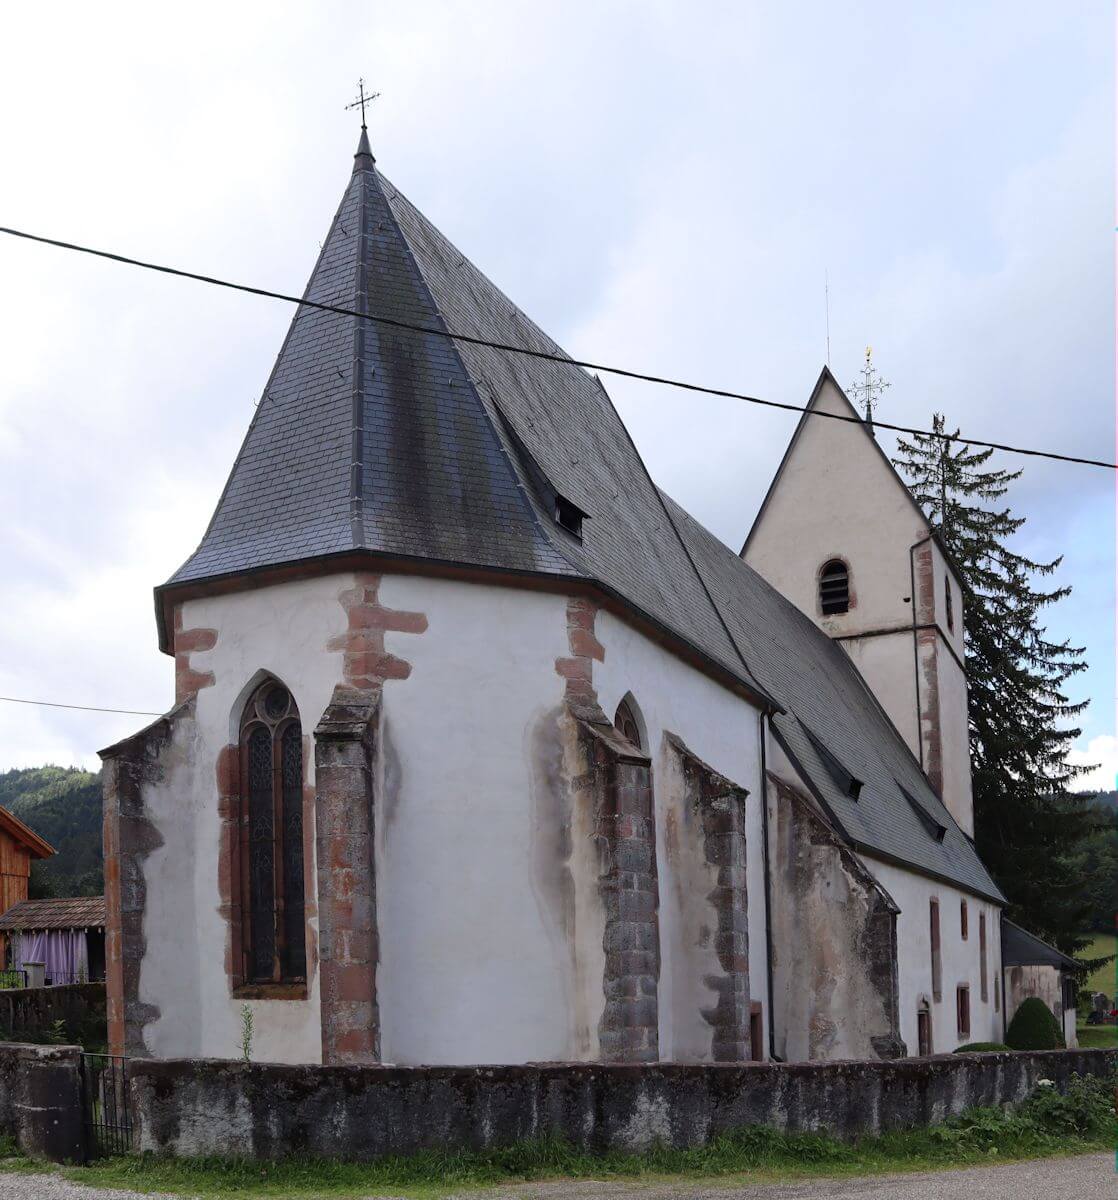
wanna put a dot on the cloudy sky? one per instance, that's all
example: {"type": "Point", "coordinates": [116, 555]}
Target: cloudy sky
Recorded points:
{"type": "Point", "coordinates": [660, 184]}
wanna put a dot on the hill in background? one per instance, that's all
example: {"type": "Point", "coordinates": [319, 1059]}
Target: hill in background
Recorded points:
{"type": "Point", "coordinates": [63, 805]}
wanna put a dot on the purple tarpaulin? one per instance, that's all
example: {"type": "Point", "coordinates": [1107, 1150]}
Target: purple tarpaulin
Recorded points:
{"type": "Point", "coordinates": [64, 953]}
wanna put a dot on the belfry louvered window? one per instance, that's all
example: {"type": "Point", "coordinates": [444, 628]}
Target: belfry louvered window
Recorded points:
{"type": "Point", "coordinates": [834, 587]}
{"type": "Point", "coordinates": [273, 941]}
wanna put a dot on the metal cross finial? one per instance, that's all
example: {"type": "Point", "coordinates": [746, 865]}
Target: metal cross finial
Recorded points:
{"type": "Point", "coordinates": [363, 98]}
{"type": "Point", "coordinates": [870, 389]}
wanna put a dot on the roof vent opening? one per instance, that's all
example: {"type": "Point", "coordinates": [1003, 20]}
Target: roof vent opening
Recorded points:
{"type": "Point", "coordinates": [834, 588]}
{"type": "Point", "coordinates": [569, 516]}
{"type": "Point", "coordinates": [933, 827]}
{"type": "Point", "coordinates": [846, 782]}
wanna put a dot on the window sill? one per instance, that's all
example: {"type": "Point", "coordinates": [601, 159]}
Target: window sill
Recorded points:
{"type": "Point", "coordinates": [270, 991]}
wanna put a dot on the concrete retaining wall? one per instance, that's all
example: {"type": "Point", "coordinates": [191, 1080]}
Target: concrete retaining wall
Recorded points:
{"type": "Point", "coordinates": [41, 1100]}
{"type": "Point", "coordinates": [196, 1107]}
{"type": "Point", "coordinates": [35, 1010]}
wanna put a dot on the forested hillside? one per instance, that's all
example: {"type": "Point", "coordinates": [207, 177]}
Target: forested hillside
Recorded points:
{"type": "Point", "coordinates": [1094, 864]}
{"type": "Point", "coordinates": [63, 805]}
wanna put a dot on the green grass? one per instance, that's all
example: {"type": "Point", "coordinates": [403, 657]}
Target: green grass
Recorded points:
{"type": "Point", "coordinates": [1103, 979]}
{"type": "Point", "coordinates": [1097, 1037]}
{"type": "Point", "coordinates": [1048, 1124]}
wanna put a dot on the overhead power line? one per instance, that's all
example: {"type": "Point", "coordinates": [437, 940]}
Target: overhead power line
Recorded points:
{"type": "Point", "coordinates": [129, 712]}
{"type": "Point", "coordinates": [622, 372]}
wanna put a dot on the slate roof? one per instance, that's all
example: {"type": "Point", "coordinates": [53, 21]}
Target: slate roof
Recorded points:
{"type": "Point", "coordinates": [827, 702]}
{"type": "Point", "coordinates": [77, 912]}
{"type": "Point", "coordinates": [1021, 948]}
{"type": "Point", "coordinates": [406, 444]}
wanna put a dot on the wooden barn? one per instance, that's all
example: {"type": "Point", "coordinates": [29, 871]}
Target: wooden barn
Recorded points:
{"type": "Point", "coordinates": [18, 846]}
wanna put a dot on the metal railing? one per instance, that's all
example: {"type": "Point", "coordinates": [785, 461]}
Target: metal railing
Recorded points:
{"type": "Point", "coordinates": [13, 977]}
{"type": "Point", "coordinates": [58, 978]}
{"type": "Point", "coordinates": [108, 1110]}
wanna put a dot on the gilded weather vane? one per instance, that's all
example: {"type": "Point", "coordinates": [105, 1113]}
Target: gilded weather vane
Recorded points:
{"type": "Point", "coordinates": [870, 389]}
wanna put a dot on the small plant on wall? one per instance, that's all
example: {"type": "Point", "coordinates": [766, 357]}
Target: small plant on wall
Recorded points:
{"type": "Point", "coordinates": [246, 1033]}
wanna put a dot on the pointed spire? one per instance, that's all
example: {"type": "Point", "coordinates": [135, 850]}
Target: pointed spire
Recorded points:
{"type": "Point", "coordinates": [364, 152]}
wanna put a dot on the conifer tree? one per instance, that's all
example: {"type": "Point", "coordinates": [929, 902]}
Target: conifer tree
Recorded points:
{"type": "Point", "coordinates": [1021, 720]}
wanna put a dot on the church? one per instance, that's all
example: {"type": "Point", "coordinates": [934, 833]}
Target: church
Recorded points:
{"type": "Point", "coordinates": [485, 751]}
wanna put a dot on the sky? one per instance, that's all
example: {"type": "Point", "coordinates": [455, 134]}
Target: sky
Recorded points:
{"type": "Point", "coordinates": [665, 186]}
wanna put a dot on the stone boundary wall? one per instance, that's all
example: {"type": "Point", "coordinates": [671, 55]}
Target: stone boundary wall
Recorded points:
{"type": "Point", "coordinates": [41, 1100]}
{"type": "Point", "coordinates": [35, 1010]}
{"type": "Point", "coordinates": [191, 1107]}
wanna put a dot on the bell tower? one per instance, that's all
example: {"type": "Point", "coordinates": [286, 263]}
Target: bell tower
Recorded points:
{"type": "Point", "coordinates": [840, 535]}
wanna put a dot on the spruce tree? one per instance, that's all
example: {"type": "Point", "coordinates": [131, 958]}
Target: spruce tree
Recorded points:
{"type": "Point", "coordinates": [1022, 723]}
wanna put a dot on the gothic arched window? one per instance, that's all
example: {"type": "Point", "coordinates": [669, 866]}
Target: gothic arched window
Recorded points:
{"type": "Point", "coordinates": [626, 724]}
{"type": "Point", "coordinates": [273, 940]}
{"type": "Point", "coordinates": [834, 587]}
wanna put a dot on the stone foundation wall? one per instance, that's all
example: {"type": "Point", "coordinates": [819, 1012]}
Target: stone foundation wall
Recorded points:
{"type": "Point", "coordinates": [196, 1107]}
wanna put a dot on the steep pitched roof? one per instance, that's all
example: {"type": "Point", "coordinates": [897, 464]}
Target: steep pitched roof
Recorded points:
{"type": "Point", "coordinates": [381, 440]}
{"type": "Point", "coordinates": [57, 912]}
{"type": "Point", "coordinates": [830, 717]}
{"type": "Point", "coordinates": [25, 835]}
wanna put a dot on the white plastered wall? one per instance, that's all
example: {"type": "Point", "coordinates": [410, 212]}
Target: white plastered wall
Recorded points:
{"type": "Point", "coordinates": [724, 731]}
{"type": "Point", "coordinates": [281, 631]}
{"type": "Point", "coordinates": [888, 666]}
{"type": "Point", "coordinates": [961, 961]}
{"type": "Point", "coordinates": [475, 965]}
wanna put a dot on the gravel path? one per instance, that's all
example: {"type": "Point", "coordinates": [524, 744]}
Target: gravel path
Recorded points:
{"type": "Point", "coordinates": [1085, 1177]}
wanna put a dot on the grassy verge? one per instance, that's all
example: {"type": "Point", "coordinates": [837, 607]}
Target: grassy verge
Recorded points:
{"type": "Point", "coordinates": [1048, 1124]}
{"type": "Point", "coordinates": [1103, 979]}
{"type": "Point", "coordinates": [1097, 1037]}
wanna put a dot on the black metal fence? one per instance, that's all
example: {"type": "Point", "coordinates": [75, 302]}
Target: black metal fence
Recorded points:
{"type": "Point", "coordinates": [13, 977]}
{"type": "Point", "coordinates": [108, 1112]}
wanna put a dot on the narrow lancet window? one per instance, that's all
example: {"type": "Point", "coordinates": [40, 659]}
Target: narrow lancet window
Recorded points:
{"type": "Point", "coordinates": [834, 588]}
{"type": "Point", "coordinates": [626, 724]}
{"type": "Point", "coordinates": [273, 940]}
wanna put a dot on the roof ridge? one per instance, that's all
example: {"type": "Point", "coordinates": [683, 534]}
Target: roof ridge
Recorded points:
{"type": "Point", "coordinates": [440, 323]}
{"type": "Point", "coordinates": [360, 326]}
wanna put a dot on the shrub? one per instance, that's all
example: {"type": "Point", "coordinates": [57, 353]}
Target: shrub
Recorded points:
{"type": "Point", "coordinates": [1034, 1027]}
{"type": "Point", "coordinates": [1085, 1107]}
{"type": "Point", "coordinates": [980, 1048]}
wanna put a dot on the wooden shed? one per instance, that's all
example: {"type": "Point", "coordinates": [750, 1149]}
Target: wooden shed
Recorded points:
{"type": "Point", "coordinates": [19, 845]}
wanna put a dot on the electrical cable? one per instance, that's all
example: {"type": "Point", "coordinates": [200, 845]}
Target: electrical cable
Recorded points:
{"type": "Point", "coordinates": [131, 712]}
{"type": "Point", "coordinates": [622, 372]}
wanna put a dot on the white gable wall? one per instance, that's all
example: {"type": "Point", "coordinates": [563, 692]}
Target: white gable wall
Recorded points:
{"type": "Point", "coordinates": [836, 498]}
